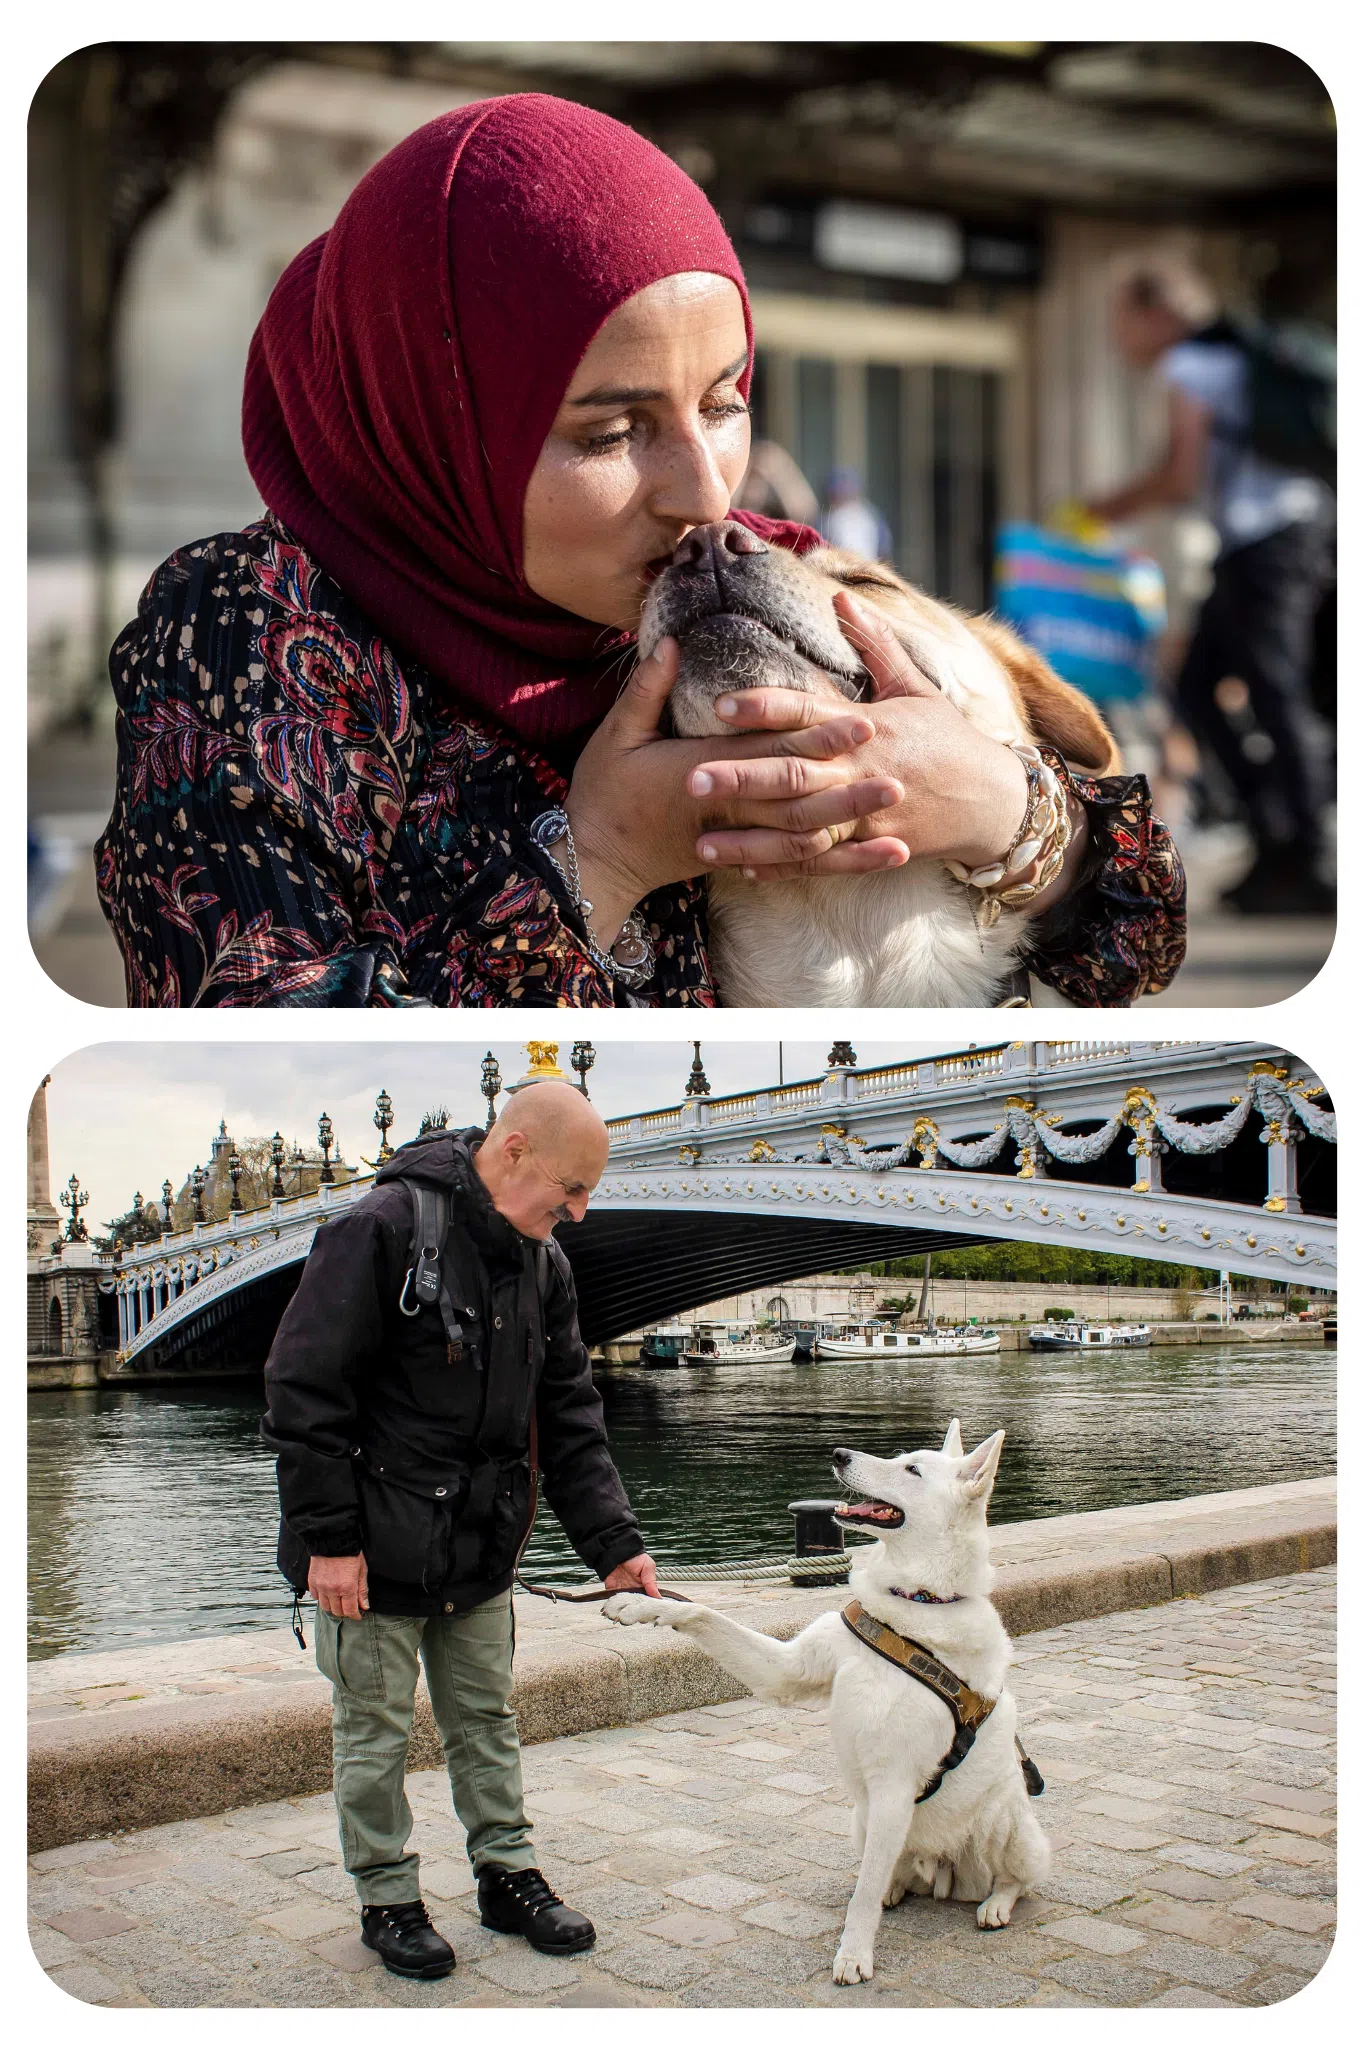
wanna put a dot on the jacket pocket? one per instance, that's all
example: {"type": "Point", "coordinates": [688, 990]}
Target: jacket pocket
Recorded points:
{"type": "Point", "coordinates": [407, 1526]}
{"type": "Point", "coordinates": [507, 1521]}
{"type": "Point", "coordinates": [348, 1654]}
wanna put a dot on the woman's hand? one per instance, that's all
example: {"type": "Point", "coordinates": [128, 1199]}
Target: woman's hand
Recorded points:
{"type": "Point", "coordinates": [642, 817]}
{"type": "Point", "coordinates": [964, 793]}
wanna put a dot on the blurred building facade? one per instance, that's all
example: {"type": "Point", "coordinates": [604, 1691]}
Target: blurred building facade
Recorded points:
{"type": "Point", "coordinates": [930, 232]}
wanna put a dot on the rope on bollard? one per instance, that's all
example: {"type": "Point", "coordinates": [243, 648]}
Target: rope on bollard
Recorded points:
{"type": "Point", "coordinates": [834, 1567]}
{"type": "Point", "coordinates": [829, 1569]}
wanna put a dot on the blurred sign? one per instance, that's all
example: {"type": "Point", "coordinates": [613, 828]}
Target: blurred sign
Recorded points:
{"type": "Point", "coordinates": [883, 241]}
{"type": "Point", "coordinates": [891, 241]}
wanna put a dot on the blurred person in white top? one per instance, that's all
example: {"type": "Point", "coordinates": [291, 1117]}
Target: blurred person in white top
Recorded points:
{"type": "Point", "coordinates": [851, 521]}
{"type": "Point", "coordinates": [1275, 529]}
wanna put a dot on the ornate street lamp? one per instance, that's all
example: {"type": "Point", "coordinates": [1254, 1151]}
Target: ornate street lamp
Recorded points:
{"type": "Point", "coordinates": [383, 1123]}
{"type": "Point", "coordinates": [841, 1054]}
{"type": "Point", "coordinates": [167, 1191]}
{"type": "Point", "coordinates": [197, 1182]}
{"type": "Point", "coordinates": [235, 1175]}
{"type": "Point", "coordinates": [277, 1161]}
{"type": "Point", "coordinates": [74, 1198]}
{"type": "Point", "coordinates": [581, 1060]}
{"type": "Point", "coordinates": [326, 1140]}
{"type": "Point", "coordinates": [297, 1166]}
{"type": "Point", "coordinates": [697, 1083]}
{"type": "Point", "coordinates": [490, 1082]}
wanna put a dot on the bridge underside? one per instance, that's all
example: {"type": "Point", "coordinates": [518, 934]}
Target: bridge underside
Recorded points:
{"type": "Point", "coordinates": [622, 1283]}
{"type": "Point", "coordinates": [627, 1276]}
{"type": "Point", "coordinates": [231, 1334]}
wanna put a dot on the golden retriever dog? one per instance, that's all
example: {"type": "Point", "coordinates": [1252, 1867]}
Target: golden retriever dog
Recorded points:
{"type": "Point", "coordinates": [747, 615]}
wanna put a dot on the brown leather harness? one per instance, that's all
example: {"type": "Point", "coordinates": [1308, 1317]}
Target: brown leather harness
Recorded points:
{"type": "Point", "coordinates": [970, 1710]}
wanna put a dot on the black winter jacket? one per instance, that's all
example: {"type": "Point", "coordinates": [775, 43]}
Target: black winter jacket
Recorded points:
{"type": "Point", "coordinates": [388, 1447]}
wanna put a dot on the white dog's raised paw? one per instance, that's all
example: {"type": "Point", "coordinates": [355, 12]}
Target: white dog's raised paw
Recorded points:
{"type": "Point", "coordinates": [852, 1966]}
{"type": "Point", "coordinates": [632, 1607]}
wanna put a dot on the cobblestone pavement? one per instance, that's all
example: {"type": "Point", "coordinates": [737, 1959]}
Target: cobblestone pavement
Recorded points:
{"type": "Point", "coordinates": [1188, 1750]}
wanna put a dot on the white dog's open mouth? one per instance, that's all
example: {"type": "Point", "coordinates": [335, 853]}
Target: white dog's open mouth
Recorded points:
{"type": "Point", "coordinates": [877, 1514]}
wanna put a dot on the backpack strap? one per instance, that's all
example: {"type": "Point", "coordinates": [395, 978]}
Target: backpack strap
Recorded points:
{"type": "Point", "coordinates": [424, 1284]}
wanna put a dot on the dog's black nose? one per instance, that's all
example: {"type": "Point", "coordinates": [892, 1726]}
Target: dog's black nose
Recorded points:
{"type": "Point", "coordinates": [699, 549]}
{"type": "Point", "coordinates": [842, 1460]}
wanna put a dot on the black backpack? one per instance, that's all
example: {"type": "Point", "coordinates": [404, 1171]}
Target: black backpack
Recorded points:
{"type": "Point", "coordinates": [1292, 393]}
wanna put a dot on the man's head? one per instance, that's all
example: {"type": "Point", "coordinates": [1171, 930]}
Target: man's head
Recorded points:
{"type": "Point", "coordinates": [1159, 302]}
{"type": "Point", "coordinates": [543, 1158]}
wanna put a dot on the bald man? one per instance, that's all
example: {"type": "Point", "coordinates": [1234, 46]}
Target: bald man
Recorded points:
{"type": "Point", "coordinates": [430, 1354]}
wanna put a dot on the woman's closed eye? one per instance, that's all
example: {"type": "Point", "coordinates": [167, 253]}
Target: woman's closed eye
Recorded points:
{"type": "Point", "coordinates": [618, 432]}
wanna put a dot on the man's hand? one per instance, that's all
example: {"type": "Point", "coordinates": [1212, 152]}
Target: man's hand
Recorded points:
{"type": "Point", "coordinates": [341, 1586]}
{"type": "Point", "coordinates": [636, 1575]}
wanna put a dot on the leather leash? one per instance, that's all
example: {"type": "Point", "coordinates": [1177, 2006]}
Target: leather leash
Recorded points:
{"type": "Point", "coordinates": [588, 1594]}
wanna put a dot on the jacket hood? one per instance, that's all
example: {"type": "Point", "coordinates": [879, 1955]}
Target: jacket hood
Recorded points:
{"type": "Point", "coordinates": [445, 1159]}
{"type": "Point", "coordinates": [442, 1159]}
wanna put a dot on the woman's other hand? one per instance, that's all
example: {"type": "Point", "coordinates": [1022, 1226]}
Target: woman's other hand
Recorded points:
{"type": "Point", "coordinates": [964, 793]}
{"type": "Point", "coordinates": [642, 816]}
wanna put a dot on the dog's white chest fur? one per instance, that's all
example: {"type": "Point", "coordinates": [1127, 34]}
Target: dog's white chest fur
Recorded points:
{"type": "Point", "coordinates": [901, 938]}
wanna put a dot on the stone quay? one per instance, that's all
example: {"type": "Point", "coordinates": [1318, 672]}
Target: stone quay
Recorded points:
{"type": "Point", "coordinates": [1174, 1678]}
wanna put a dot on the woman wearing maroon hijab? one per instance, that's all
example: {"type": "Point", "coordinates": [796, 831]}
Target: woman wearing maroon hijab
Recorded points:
{"type": "Point", "coordinates": [481, 411]}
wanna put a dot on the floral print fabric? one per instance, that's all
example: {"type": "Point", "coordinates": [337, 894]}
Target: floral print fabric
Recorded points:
{"type": "Point", "coordinates": [300, 818]}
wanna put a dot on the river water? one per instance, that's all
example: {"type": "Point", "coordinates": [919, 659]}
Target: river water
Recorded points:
{"type": "Point", "coordinates": [152, 1512]}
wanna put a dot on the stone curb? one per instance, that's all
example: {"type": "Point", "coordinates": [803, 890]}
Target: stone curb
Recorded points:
{"type": "Point", "coordinates": [185, 1758]}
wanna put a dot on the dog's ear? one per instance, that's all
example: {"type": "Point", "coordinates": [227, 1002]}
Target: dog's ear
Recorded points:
{"type": "Point", "coordinates": [977, 1475]}
{"type": "Point", "coordinates": [1052, 709]}
{"type": "Point", "coordinates": [952, 1443]}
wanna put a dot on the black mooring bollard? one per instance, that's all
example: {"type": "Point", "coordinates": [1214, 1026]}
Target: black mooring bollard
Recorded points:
{"type": "Point", "coordinates": [819, 1534]}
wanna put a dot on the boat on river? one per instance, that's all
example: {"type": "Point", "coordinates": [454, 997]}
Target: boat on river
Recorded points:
{"type": "Point", "coordinates": [874, 1340]}
{"type": "Point", "coordinates": [745, 1348]}
{"type": "Point", "coordinates": [1075, 1336]}
{"type": "Point", "coordinates": [664, 1344]}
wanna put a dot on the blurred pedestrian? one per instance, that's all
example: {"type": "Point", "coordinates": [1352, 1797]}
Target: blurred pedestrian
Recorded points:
{"type": "Point", "coordinates": [1233, 398]}
{"type": "Point", "coordinates": [852, 521]}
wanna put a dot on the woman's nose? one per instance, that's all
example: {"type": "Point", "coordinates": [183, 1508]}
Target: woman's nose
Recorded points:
{"type": "Point", "coordinates": [700, 548]}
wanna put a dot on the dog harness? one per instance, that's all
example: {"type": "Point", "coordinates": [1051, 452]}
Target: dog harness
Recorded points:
{"type": "Point", "coordinates": [970, 1710]}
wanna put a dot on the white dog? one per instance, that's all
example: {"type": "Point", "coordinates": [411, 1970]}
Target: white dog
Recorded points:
{"type": "Point", "coordinates": [928, 1578]}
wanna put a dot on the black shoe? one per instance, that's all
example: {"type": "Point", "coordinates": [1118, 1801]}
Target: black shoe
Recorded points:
{"type": "Point", "coordinates": [520, 1902]}
{"type": "Point", "coordinates": [405, 1941]}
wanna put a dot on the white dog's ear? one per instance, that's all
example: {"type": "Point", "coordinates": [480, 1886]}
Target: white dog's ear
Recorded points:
{"type": "Point", "coordinates": [977, 1475]}
{"type": "Point", "coordinates": [952, 1443]}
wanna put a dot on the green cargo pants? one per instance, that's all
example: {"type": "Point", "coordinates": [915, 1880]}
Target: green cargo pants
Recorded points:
{"type": "Point", "coordinates": [372, 1664]}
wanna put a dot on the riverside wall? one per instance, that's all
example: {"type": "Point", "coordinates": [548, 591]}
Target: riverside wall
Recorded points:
{"type": "Point", "coordinates": [825, 1297]}
{"type": "Point", "coordinates": [130, 1738]}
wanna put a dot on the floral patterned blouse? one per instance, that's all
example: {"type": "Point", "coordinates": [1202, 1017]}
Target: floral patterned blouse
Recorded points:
{"type": "Point", "coordinates": [302, 818]}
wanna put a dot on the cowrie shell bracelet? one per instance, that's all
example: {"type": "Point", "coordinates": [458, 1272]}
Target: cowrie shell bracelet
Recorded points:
{"type": "Point", "coordinates": [1045, 835]}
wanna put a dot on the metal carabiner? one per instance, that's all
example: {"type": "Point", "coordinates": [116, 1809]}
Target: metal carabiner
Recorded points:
{"type": "Point", "coordinates": [403, 1309]}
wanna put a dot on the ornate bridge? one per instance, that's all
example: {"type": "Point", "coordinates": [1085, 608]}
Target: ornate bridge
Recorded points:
{"type": "Point", "coordinates": [1216, 1154]}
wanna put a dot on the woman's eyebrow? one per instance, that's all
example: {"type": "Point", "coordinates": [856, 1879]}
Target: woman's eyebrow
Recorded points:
{"type": "Point", "coordinates": [619, 394]}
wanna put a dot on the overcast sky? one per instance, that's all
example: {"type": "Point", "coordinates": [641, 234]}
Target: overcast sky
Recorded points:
{"type": "Point", "coordinates": [127, 1117]}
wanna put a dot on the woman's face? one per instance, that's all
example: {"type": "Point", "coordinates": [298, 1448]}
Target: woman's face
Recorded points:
{"type": "Point", "coordinates": [650, 440]}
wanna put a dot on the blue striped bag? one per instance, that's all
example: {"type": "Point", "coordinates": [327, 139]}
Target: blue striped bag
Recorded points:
{"type": "Point", "coordinates": [1092, 612]}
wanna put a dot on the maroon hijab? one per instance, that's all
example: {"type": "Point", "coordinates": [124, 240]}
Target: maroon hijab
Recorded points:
{"type": "Point", "coordinates": [411, 361]}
